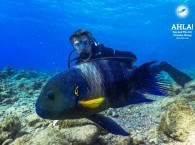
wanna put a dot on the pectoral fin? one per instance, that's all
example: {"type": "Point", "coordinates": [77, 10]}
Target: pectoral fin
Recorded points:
{"type": "Point", "coordinates": [93, 103]}
{"type": "Point", "coordinates": [108, 124]}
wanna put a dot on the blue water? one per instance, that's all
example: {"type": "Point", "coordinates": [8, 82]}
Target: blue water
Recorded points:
{"type": "Point", "coordinates": [34, 34]}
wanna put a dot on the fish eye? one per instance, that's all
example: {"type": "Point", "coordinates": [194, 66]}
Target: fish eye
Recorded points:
{"type": "Point", "coordinates": [51, 95]}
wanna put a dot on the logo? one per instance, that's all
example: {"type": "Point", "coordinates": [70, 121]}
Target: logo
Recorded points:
{"type": "Point", "coordinates": [182, 11]}
{"type": "Point", "coordinates": [182, 27]}
{"type": "Point", "coordinates": [182, 30]}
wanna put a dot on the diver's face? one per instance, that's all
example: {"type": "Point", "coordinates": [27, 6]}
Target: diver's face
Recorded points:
{"type": "Point", "coordinates": [82, 44]}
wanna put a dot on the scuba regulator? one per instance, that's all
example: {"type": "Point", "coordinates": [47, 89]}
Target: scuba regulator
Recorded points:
{"type": "Point", "coordinates": [83, 54]}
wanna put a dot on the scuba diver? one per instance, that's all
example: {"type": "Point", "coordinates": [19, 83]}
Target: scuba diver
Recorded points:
{"type": "Point", "coordinates": [88, 49]}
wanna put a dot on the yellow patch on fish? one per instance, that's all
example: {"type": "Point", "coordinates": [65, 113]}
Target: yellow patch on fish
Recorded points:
{"type": "Point", "coordinates": [94, 103]}
{"type": "Point", "coordinates": [76, 91]}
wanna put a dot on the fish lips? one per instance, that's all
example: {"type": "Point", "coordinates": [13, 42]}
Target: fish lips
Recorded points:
{"type": "Point", "coordinates": [40, 112]}
{"type": "Point", "coordinates": [43, 113]}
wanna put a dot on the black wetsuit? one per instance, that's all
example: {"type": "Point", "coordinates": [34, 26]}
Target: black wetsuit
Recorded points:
{"type": "Point", "coordinates": [103, 52]}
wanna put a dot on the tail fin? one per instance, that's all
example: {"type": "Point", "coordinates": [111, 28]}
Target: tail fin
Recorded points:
{"type": "Point", "coordinates": [144, 79]}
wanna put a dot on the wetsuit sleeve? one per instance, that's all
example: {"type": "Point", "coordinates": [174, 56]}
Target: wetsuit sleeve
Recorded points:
{"type": "Point", "coordinates": [125, 54]}
{"type": "Point", "coordinates": [131, 58]}
{"type": "Point", "coordinates": [120, 55]}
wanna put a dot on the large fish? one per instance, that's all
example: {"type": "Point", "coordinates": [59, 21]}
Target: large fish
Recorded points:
{"type": "Point", "coordinates": [92, 87]}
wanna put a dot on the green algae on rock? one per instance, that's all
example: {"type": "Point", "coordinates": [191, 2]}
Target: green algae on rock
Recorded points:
{"type": "Point", "coordinates": [32, 119]}
{"type": "Point", "coordinates": [9, 128]}
{"type": "Point", "coordinates": [178, 120]}
{"type": "Point", "coordinates": [85, 135]}
{"type": "Point", "coordinates": [73, 123]}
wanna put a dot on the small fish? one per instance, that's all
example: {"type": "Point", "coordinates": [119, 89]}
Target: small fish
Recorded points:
{"type": "Point", "coordinates": [89, 88]}
{"type": "Point", "coordinates": [181, 11]}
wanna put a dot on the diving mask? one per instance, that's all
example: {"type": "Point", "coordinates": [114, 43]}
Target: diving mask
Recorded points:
{"type": "Point", "coordinates": [83, 43]}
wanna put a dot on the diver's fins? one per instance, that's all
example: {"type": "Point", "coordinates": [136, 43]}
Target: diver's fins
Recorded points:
{"type": "Point", "coordinates": [179, 77]}
{"type": "Point", "coordinates": [108, 124]}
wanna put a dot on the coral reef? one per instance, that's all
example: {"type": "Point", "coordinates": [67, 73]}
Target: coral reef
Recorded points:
{"type": "Point", "coordinates": [168, 120]}
{"type": "Point", "coordinates": [85, 135]}
{"type": "Point", "coordinates": [9, 128]}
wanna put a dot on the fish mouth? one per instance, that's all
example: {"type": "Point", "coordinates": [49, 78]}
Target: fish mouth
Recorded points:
{"type": "Point", "coordinates": [43, 114]}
